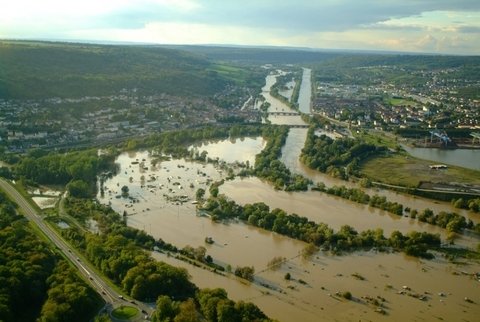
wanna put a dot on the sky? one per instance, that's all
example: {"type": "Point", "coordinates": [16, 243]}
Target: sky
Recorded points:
{"type": "Point", "coordinates": [432, 26]}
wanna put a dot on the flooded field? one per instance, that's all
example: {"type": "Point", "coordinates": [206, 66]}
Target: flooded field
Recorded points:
{"type": "Point", "coordinates": [334, 211]}
{"type": "Point", "coordinates": [233, 150]}
{"type": "Point", "coordinates": [384, 287]}
{"type": "Point", "coordinates": [322, 276]}
{"type": "Point", "coordinates": [45, 202]}
{"type": "Point", "coordinates": [161, 201]}
{"type": "Point", "coordinates": [290, 157]}
{"type": "Point", "coordinates": [44, 197]}
{"type": "Point", "coordinates": [288, 90]}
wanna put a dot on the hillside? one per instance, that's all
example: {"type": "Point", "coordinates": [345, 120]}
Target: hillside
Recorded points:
{"type": "Point", "coordinates": [256, 55]}
{"type": "Point", "coordinates": [44, 69]}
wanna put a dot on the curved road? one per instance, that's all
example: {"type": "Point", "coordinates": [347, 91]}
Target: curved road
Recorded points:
{"type": "Point", "coordinates": [111, 296]}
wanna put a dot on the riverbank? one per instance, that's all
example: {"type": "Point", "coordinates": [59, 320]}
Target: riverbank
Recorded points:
{"type": "Point", "coordinates": [403, 170]}
{"type": "Point", "coordinates": [383, 286]}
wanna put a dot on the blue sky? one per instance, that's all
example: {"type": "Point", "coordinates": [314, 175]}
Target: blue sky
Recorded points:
{"type": "Point", "coordinates": [436, 26]}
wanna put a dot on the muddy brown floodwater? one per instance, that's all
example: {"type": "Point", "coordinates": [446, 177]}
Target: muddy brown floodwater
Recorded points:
{"type": "Point", "coordinates": [406, 289]}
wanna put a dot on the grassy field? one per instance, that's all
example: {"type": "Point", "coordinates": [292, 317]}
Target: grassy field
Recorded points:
{"type": "Point", "coordinates": [377, 138]}
{"type": "Point", "coordinates": [239, 74]}
{"type": "Point", "coordinates": [400, 101]}
{"type": "Point", "coordinates": [403, 170]}
{"type": "Point", "coordinates": [124, 312]}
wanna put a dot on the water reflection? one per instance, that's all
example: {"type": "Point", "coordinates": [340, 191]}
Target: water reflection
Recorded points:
{"type": "Point", "coordinates": [467, 158]}
{"type": "Point", "coordinates": [233, 150]}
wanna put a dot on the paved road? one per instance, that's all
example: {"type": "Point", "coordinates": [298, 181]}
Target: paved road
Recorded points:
{"type": "Point", "coordinates": [425, 190]}
{"type": "Point", "coordinates": [111, 296]}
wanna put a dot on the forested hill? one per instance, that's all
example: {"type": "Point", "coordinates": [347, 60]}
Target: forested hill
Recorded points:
{"type": "Point", "coordinates": [271, 55]}
{"type": "Point", "coordinates": [48, 69]}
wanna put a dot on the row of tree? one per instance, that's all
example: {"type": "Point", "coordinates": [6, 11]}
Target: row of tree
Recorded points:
{"type": "Point", "coordinates": [453, 222]}
{"type": "Point", "coordinates": [176, 143]}
{"type": "Point", "coordinates": [346, 239]}
{"type": "Point", "coordinates": [471, 204]}
{"type": "Point", "coordinates": [268, 166]}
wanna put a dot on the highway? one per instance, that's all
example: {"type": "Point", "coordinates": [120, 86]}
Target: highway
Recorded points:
{"type": "Point", "coordinates": [111, 296]}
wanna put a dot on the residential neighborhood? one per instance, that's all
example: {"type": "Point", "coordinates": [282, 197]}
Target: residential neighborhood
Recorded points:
{"type": "Point", "coordinates": [26, 124]}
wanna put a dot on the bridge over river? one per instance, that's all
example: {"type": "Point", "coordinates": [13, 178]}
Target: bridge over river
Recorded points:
{"type": "Point", "coordinates": [283, 113]}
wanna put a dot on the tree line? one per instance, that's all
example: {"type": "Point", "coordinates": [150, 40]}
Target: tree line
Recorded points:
{"type": "Point", "coordinates": [453, 222]}
{"type": "Point", "coordinates": [267, 165]}
{"type": "Point", "coordinates": [470, 204]}
{"type": "Point", "coordinates": [175, 143]}
{"type": "Point", "coordinates": [320, 234]}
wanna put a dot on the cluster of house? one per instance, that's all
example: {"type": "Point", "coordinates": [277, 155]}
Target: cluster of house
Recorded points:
{"type": "Point", "coordinates": [24, 124]}
{"type": "Point", "coordinates": [367, 106]}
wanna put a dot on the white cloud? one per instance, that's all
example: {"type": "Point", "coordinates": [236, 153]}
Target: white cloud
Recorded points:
{"type": "Point", "coordinates": [368, 24]}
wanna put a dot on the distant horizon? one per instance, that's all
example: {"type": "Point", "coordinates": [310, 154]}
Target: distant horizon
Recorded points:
{"type": "Point", "coordinates": [278, 47]}
{"type": "Point", "coordinates": [442, 27]}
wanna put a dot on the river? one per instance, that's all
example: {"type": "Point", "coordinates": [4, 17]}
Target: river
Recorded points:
{"type": "Point", "coordinates": [467, 158]}
{"type": "Point", "coordinates": [164, 191]}
{"type": "Point", "coordinates": [305, 95]}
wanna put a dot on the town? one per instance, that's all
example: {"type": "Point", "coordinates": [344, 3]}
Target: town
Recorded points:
{"type": "Point", "coordinates": [385, 105]}
{"type": "Point", "coordinates": [31, 124]}
{"type": "Point", "coordinates": [94, 120]}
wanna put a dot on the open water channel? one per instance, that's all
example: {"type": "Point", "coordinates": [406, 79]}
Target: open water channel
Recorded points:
{"type": "Point", "coordinates": [165, 190]}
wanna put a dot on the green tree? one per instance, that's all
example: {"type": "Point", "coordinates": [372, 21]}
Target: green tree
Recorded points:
{"type": "Point", "coordinates": [226, 311]}
{"type": "Point", "coordinates": [199, 194]}
{"type": "Point", "coordinates": [187, 312]}
{"type": "Point", "coordinates": [165, 310]}
{"type": "Point", "coordinates": [79, 189]}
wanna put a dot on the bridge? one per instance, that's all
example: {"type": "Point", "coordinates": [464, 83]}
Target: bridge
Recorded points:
{"type": "Point", "coordinates": [284, 113]}
{"type": "Point", "coordinates": [300, 126]}
{"type": "Point", "coordinates": [475, 135]}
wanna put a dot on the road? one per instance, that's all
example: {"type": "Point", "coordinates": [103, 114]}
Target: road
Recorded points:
{"type": "Point", "coordinates": [425, 190]}
{"type": "Point", "coordinates": [111, 296]}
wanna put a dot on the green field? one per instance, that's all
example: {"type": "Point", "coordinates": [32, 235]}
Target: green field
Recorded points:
{"type": "Point", "coordinates": [400, 101]}
{"type": "Point", "coordinates": [403, 170]}
{"type": "Point", "coordinates": [378, 138]}
{"type": "Point", "coordinates": [124, 312]}
{"type": "Point", "coordinates": [243, 75]}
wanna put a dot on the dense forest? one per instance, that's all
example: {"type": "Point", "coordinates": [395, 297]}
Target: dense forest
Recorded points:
{"type": "Point", "coordinates": [77, 170]}
{"type": "Point", "coordinates": [272, 55]}
{"type": "Point", "coordinates": [46, 69]}
{"type": "Point", "coordinates": [35, 283]}
{"type": "Point", "coordinates": [339, 158]}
